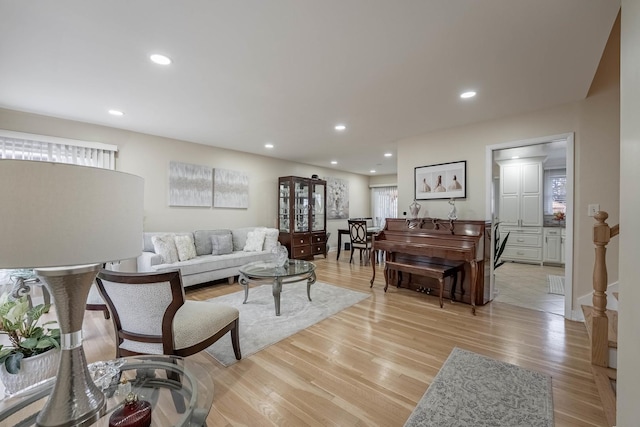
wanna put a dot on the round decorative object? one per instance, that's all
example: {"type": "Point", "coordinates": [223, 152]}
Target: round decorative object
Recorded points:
{"type": "Point", "coordinates": [280, 255]}
{"type": "Point", "coordinates": [32, 371]}
{"type": "Point", "coordinates": [134, 413]}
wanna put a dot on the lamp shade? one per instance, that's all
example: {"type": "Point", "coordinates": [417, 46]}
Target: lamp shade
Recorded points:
{"type": "Point", "coordinates": [56, 214]}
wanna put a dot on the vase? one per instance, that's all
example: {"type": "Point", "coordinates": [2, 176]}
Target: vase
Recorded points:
{"type": "Point", "coordinates": [280, 255]}
{"type": "Point", "coordinates": [32, 371]}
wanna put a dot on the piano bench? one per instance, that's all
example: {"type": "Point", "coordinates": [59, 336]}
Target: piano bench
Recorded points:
{"type": "Point", "coordinates": [435, 268]}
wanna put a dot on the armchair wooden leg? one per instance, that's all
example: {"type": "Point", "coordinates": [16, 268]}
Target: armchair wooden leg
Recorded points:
{"type": "Point", "coordinates": [235, 340]}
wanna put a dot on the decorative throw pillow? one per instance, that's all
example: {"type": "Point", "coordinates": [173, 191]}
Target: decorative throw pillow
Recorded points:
{"type": "Point", "coordinates": [222, 244]}
{"type": "Point", "coordinates": [255, 240]}
{"type": "Point", "coordinates": [186, 247]}
{"type": "Point", "coordinates": [165, 246]}
{"type": "Point", "coordinates": [270, 239]}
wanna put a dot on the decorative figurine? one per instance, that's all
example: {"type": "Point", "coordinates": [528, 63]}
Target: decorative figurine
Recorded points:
{"type": "Point", "coordinates": [134, 413]}
{"type": "Point", "coordinates": [453, 213]}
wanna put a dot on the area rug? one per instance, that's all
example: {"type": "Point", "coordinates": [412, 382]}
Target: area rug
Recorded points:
{"type": "Point", "coordinates": [556, 284]}
{"type": "Point", "coordinates": [259, 325]}
{"type": "Point", "coordinates": [474, 390]}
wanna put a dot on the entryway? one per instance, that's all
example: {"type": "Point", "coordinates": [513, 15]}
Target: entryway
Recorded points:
{"type": "Point", "coordinates": [533, 282]}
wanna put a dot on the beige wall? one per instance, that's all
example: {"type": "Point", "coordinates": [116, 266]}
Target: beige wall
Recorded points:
{"type": "Point", "coordinates": [149, 156]}
{"type": "Point", "coordinates": [595, 122]}
{"type": "Point", "coordinates": [629, 315]}
{"type": "Point", "coordinates": [383, 180]}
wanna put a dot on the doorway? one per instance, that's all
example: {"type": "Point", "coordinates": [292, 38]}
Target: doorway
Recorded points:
{"type": "Point", "coordinates": [531, 273]}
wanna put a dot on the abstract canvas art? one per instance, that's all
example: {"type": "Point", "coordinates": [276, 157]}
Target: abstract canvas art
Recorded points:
{"type": "Point", "coordinates": [337, 198]}
{"type": "Point", "coordinates": [190, 185]}
{"type": "Point", "coordinates": [230, 189]}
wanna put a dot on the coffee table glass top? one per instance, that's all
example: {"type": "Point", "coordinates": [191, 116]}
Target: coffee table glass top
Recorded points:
{"type": "Point", "coordinates": [268, 269]}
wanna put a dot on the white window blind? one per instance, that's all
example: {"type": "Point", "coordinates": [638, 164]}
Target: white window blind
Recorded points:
{"type": "Point", "coordinates": [25, 146]}
{"type": "Point", "coordinates": [384, 202]}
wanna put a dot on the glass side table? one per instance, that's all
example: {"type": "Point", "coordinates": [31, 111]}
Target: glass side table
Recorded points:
{"type": "Point", "coordinates": [180, 392]}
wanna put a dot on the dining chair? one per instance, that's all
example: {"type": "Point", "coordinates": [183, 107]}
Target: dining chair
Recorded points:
{"type": "Point", "coordinates": [151, 316]}
{"type": "Point", "coordinates": [359, 238]}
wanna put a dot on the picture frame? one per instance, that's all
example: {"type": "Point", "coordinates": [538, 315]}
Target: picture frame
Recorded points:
{"type": "Point", "coordinates": [441, 181]}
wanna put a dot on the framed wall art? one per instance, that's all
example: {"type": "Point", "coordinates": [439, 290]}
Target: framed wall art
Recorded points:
{"type": "Point", "coordinates": [441, 181]}
{"type": "Point", "coordinates": [230, 189]}
{"type": "Point", "coordinates": [190, 185]}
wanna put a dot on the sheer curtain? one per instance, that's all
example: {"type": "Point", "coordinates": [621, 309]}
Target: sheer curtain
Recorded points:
{"type": "Point", "coordinates": [24, 146]}
{"type": "Point", "coordinates": [384, 204]}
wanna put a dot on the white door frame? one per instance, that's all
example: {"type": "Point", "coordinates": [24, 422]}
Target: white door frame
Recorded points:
{"type": "Point", "coordinates": [568, 268]}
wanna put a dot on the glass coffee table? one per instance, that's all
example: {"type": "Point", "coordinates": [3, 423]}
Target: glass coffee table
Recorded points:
{"type": "Point", "coordinates": [264, 271]}
{"type": "Point", "coordinates": [179, 390]}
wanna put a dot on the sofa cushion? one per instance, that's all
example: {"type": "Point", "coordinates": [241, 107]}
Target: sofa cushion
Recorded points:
{"type": "Point", "coordinates": [240, 237]}
{"type": "Point", "coordinates": [165, 246]}
{"type": "Point", "coordinates": [203, 240]}
{"type": "Point", "coordinates": [186, 247]}
{"type": "Point", "coordinates": [270, 239]}
{"type": "Point", "coordinates": [147, 244]}
{"type": "Point", "coordinates": [221, 244]}
{"type": "Point", "coordinates": [255, 241]}
{"type": "Point", "coordinates": [204, 263]}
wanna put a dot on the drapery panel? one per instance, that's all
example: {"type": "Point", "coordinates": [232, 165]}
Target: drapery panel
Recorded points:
{"type": "Point", "coordinates": [384, 201]}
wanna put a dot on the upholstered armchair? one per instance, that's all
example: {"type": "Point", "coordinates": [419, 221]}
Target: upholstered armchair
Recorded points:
{"type": "Point", "coordinates": [151, 316]}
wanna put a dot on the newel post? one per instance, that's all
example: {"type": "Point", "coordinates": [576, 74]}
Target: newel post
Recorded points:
{"type": "Point", "coordinates": [600, 322]}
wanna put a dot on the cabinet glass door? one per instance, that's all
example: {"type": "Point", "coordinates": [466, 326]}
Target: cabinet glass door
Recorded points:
{"type": "Point", "coordinates": [283, 206]}
{"type": "Point", "coordinates": [301, 206]}
{"type": "Point", "coordinates": [318, 207]}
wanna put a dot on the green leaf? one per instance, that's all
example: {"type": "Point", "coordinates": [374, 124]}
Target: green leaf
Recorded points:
{"type": "Point", "coordinates": [46, 342]}
{"type": "Point", "coordinates": [29, 343]}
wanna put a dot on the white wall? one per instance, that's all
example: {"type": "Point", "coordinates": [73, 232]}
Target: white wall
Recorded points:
{"type": "Point", "coordinates": [595, 122]}
{"type": "Point", "coordinates": [629, 316]}
{"type": "Point", "coordinates": [149, 156]}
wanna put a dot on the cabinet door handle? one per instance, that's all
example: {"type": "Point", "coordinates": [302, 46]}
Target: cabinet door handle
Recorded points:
{"type": "Point", "coordinates": [520, 240]}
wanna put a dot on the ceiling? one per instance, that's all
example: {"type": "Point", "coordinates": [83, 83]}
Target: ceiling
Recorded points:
{"type": "Point", "coordinates": [285, 72]}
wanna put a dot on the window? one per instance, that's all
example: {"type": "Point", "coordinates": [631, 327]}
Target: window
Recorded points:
{"type": "Point", "coordinates": [384, 204]}
{"type": "Point", "coordinates": [25, 146]}
{"type": "Point", "coordinates": [555, 191]}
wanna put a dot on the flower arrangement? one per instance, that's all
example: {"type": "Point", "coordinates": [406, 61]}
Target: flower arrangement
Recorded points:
{"type": "Point", "coordinates": [20, 324]}
{"type": "Point", "coordinates": [558, 216]}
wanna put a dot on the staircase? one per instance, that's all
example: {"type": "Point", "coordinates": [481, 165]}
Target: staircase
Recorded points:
{"type": "Point", "coordinates": [602, 324]}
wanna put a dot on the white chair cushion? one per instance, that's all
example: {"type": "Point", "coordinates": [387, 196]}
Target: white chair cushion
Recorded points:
{"type": "Point", "coordinates": [196, 321]}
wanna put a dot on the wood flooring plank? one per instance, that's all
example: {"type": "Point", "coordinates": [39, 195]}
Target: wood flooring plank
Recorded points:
{"type": "Point", "coordinates": [371, 363]}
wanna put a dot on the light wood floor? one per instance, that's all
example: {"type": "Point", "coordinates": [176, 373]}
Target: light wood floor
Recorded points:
{"type": "Point", "coordinates": [371, 363]}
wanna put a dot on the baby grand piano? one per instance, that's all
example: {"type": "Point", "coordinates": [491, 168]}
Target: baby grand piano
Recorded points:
{"type": "Point", "coordinates": [412, 240]}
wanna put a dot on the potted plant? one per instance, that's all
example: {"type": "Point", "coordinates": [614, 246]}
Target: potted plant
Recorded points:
{"type": "Point", "coordinates": [31, 344]}
{"type": "Point", "coordinates": [498, 247]}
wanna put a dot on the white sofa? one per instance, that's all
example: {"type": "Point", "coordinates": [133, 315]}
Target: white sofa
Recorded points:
{"type": "Point", "coordinates": [206, 267]}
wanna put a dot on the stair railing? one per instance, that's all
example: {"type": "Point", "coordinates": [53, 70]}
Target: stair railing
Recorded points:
{"type": "Point", "coordinates": [602, 234]}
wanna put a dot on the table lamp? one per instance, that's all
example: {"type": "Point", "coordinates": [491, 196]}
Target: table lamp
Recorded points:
{"type": "Point", "coordinates": [65, 221]}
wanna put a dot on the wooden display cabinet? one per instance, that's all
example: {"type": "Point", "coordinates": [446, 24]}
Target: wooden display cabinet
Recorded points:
{"type": "Point", "coordinates": [302, 219]}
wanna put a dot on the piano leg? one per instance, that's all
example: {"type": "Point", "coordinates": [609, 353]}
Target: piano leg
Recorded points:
{"type": "Point", "coordinates": [474, 278]}
{"type": "Point", "coordinates": [373, 267]}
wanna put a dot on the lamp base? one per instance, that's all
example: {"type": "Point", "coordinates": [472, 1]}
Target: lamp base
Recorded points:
{"type": "Point", "coordinates": [75, 399]}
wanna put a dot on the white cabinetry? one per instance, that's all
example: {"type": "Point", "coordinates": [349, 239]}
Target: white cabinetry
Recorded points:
{"type": "Point", "coordinates": [521, 193]}
{"type": "Point", "coordinates": [524, 244]}
{"type": "Point", "coordinates": [553, 245]}
{"type": "Point", "coordinates": [521, 198]}
{"type": "Point", "coordinates": [563, 238]}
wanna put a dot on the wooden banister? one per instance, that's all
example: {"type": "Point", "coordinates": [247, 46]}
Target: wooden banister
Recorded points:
{"type": "Point", "coordinates": [602, 234]}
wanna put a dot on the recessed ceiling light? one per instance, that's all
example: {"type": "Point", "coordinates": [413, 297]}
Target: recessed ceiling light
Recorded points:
{"type": "Point", "coordinates": [334, 162]}
{"type": "Point", "coordinates": [469, 94]}
{"type": "Point", "coordinates": [515, 157]}
{"type": "Point", "coordinates": [116, 113]}
{"type": "Point", "coordinates": [388, 154]}
{"type": "Point", "coordinates": [340, 127]}
{"type": "Point", "coordinates": [160, 59]}
{"type": "Point", "coordinates": [268, 145]}
{"type": "Point", "coordinates": [372, 171]}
